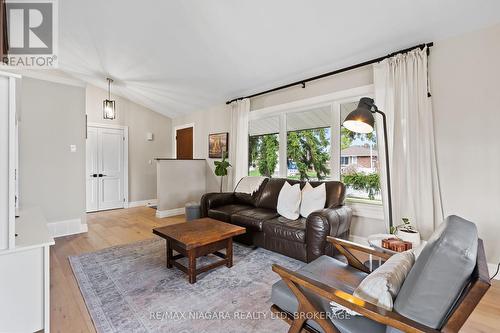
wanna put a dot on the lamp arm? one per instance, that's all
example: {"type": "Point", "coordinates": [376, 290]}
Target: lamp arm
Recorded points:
{"type": "Point", "coordinates": [388, 172]}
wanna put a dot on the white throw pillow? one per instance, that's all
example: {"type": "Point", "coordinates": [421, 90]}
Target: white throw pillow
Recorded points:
{"type": "Point", "coordinates": [382, 285]}
{"type": "Point", "coordinates": [289, 201]}
{"type": "Point", "coordinates": [313, 198]}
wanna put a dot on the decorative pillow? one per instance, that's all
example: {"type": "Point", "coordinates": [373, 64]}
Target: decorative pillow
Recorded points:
{"type": "Point", "coordinates": [289, 201]}
{"type": "Point", "coordinates": [382, 285]}
{"type": "Point", "coordinates": [313, 198]}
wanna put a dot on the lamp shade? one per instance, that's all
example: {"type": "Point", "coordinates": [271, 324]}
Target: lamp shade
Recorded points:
{"type": "Point", "coordinates": [361, 119]}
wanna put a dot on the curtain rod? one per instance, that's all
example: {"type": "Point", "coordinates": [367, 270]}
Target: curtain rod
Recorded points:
{"type": "Point", "coordinates": [338, 71]}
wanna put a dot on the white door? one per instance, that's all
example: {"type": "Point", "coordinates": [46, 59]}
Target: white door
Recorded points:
{"type": "Point", "coordinates": [105, 168]}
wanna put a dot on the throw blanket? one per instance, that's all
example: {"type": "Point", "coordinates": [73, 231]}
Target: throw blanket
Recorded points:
{"type": "Point", "coordinates": [249, 185]}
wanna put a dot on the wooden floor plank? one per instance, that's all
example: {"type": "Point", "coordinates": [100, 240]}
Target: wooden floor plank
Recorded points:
{"type": "Point", "coordinates": [117, 227]}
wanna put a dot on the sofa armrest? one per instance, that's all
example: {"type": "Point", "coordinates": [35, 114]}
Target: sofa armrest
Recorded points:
{"type": "Point", "coordinates": [212, 200]}
{"type": "Point", "coordinates": [334, 222]}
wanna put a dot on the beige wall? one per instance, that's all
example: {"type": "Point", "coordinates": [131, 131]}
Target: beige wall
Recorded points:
{"type": "Point", "coordinates": [179, 182]}
{"type": "Point", "coordinates": [214, 120]}
{"type": "Point", "coordinates": [465, 84]}
{"type": "Point", "coordinates": [140, 120]}
{"type": "Point", "coordinates": [51, 177]}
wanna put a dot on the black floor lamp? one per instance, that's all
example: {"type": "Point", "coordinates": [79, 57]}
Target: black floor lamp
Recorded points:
{"type": "Point", "coordinates": [361, 120]}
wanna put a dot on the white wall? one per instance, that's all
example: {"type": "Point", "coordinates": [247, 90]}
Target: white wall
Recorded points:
{"type": "Point", "coordinates": [140, 120]}
{"type": "Point", "coordinates": [51, 177]}
{"type": "Point", "coordinates": [214, 120]}
{"type": "Point", "coordinates": [465, 84]}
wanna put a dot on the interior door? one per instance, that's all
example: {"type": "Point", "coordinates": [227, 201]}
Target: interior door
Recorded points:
{"type": "Point", "coordinates": [105, 168]}
{"type": "Point", "coordinates": [92, 170]}
{"type": "Point", "coordinates": [184, 143]}
{"type": "Point", "coordinates": [110, 151]}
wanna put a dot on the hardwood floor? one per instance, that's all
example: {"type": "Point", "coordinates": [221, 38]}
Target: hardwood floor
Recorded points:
{"type": "Point", "coordinates": [69, 313]}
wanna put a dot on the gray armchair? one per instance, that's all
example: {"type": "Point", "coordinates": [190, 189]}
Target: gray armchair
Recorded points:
{"type": "Point", "coordinates": [446, 283]}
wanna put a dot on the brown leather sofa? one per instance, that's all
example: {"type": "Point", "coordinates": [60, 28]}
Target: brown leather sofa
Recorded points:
{"type": "Point", "coordinates": [302, 239]}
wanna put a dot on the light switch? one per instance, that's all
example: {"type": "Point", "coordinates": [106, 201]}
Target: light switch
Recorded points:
{"type": "Point", "coordinates": [72, 148]}
{"type": "Point", "coordinates": [149, 136]}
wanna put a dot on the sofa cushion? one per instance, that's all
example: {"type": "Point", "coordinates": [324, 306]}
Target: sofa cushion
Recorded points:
{"type": "Point", "coordinates": [223, 213]}
{"type": "Point", "coordinates": [246, 198]}
{"type": "Point", "coordinates": [440, 273]}
{"type": "Point", "coordinates": [253, 218]}
{"type": "Point", "coordinates": [335, 274]}
{"type": "Point", "coordinates": [269, 196]}
{"type": "Point", "coordinates": [335, 192]}
{"type": "Point", "coordinates": [313, 198]}
{"type": "Point", "coordinates": [289, 201]}
{"type": "Point", "coordinates": [283, 228]}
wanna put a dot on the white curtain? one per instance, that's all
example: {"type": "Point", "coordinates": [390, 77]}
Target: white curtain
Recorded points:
{"type": "Point", "coordinates": [401, 92]}
{"type": "Point", "coordinates": [238, 140]}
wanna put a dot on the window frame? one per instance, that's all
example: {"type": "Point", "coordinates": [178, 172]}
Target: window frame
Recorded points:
{"type": "Point", "coordinates": [334, 100]}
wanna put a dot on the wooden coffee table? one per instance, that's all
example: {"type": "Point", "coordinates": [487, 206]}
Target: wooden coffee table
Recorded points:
{"type": "Point", "coordinates": [197, 238]}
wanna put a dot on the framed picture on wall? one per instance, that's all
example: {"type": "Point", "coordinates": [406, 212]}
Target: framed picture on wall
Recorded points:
{"type": "Point", "coordinates": [217, 144]}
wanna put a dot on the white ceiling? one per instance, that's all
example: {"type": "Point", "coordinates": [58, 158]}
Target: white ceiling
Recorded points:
{"type": "Point", "coordinates": [179, 56]}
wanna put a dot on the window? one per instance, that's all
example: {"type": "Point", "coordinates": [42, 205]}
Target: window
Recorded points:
{"type": "Point", "coordinates": [305, 140]}
{"type": "Point", "coordinates": [309, 143]}
{"type": "Point", "coordinates": [263, 143]}
{"type": "Point", "coordinates": [359, 161]}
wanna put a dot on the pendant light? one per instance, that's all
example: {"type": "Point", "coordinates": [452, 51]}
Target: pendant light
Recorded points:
{"type": "Point", "coordinates": [108, 106]}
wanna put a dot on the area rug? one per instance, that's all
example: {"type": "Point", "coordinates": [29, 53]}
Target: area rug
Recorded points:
{"type": "Point", "coordinates": [129, 289]}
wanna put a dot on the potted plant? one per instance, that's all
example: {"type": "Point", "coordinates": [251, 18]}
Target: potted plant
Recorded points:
{"type": "Point", "coordinates": [221, 169]}
{"type": "Point", "coordinates": [406, 232]}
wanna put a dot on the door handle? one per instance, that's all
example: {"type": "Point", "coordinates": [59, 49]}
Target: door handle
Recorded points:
{"type": "Point", "coordinates": [94, 175]}
{"type": "Point", "coordinates": [101, 175]}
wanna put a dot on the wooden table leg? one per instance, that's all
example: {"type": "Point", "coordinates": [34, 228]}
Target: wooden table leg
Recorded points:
{"type": "Point", "coordinates": [192, 267]}
{"type": "Point", "coordinates": [229, 253]}
{"type": "Point", "coordinates": [169, 255]}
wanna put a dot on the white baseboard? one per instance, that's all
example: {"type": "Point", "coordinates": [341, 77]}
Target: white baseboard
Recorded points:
{"type": "Point", "coordinates": [142, 203]}
{"type": "Point", "coordinates": [171, 212]}
{"type": "Point", "coordinates": [67, 227]}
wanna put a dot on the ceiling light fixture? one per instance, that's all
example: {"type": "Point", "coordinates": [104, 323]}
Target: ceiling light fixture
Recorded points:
{"type": "Point", "coordinates": [108, 106]}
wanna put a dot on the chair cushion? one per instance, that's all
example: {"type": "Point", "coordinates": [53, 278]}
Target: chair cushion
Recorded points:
{"type": "Point", "coordinates": [333, 273]}
{"type": "Point", "coordinates": [382, 285]}
{"type": "Point", "coordinates": [283, 228]}
{"type": "Point", "coordinates": [253, 218]}
{"type": "Point", "coordinates": [223, 213]}
{"type": "Point", "coordinates": [440, 273]}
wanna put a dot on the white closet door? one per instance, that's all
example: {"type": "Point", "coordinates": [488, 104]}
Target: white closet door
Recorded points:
{"type": "Point", "coordinates": [92, 170]}
{"type": "Point", "coordinates": [105, 168]}
{"type": "Point", "coordinates": [111, 168]}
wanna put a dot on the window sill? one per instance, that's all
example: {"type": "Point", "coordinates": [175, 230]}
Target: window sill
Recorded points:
{"type": "Point", "coordinates": [366, 208]}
